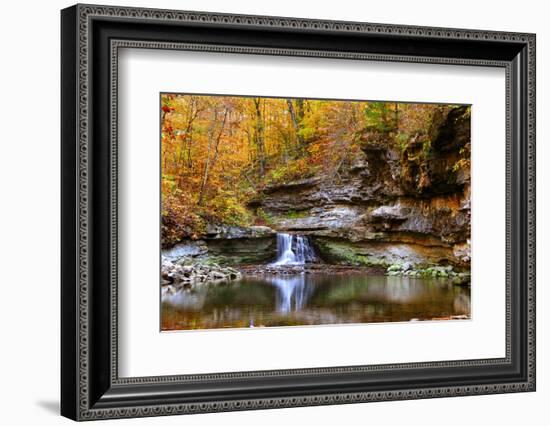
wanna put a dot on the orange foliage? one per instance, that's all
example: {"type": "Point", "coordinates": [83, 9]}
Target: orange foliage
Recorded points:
{"type": "Point", "coordinates": [218, 151]}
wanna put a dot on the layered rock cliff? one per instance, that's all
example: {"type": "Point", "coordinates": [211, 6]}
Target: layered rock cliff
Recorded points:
{"type": "Point", "coordinates": [406, 201]}
{"type": "Point", "coordinates": [227, 245]}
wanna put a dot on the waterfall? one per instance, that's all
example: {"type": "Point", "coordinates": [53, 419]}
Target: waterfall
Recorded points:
{"type": "Point", "coordinates": [294, 250]}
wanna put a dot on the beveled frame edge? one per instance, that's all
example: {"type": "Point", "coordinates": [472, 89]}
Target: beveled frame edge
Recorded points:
{"type": "Point", "coordinates": [75, 304]}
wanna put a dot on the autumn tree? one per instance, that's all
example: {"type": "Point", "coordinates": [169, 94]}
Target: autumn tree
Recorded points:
{"type": "Point", "coordinates": [213, 148]}
{"type": "Point", "coordinates": [259, 135]}
{"type": "Point", "coordinates": [218, 152]}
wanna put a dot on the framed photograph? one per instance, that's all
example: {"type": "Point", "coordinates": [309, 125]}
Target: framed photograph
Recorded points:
{"type": "Point", "coordinates": [263, 212]}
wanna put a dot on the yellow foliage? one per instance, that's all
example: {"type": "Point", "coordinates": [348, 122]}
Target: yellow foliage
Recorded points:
{"type": "Point", "coordinates": [217, 152]}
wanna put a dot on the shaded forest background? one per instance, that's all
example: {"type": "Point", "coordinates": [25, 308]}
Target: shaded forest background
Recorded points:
{"type": "Point", "coordinates": [220, 152]}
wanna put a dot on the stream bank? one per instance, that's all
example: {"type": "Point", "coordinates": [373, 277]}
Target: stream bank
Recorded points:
{"type": "Point", "coordinates": [190, 264]}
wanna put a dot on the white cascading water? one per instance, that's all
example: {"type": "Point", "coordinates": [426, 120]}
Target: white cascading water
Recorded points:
{"type": "Point", "coordinates": [294, 250]}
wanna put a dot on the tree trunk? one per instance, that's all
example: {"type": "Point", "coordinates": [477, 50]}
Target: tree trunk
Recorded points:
{"type": "Point", "coordinates": [396, 112]}
{"type": "Point", "coordinates": [300, 110]}
{"type": "Point", "coordinates": [213, 144]}
{"type": "Point", "coordinates": [218, 139]}
{"type": "Point", "coordinates": [259, 137]}
{"type": "Point", "coordinates": [297, 117]}
{"type": "Point", "coordinates": [195, 110]}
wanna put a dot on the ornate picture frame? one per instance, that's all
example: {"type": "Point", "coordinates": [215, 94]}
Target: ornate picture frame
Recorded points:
{"type": "Point", "coordinates": [91, 37]}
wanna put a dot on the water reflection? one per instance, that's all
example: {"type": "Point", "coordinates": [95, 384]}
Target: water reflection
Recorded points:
{"type": "Point", "coordinates": [291, 292]}
{"type": "Point", "coordinates": [186, 300]}
{"type": "Point", "coordinates": [307, 299]}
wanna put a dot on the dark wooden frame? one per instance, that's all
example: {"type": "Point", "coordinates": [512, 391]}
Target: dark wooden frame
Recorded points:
{"type": "Point", "coordinates": [91, 37]}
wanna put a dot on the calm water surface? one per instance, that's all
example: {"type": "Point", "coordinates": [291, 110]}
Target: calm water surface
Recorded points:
{"type": "Point", "coordinates": [308, 299]}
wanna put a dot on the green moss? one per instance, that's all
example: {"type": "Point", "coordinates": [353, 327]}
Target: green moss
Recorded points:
{"type": "Point", "coordinates": [402, 141]}
{"type": "Point", "coordinates": [293, 214]}
{"type": "Point", "coordinates": [263, 218]}
{"type": "Point", "coordinates": [344, 253]}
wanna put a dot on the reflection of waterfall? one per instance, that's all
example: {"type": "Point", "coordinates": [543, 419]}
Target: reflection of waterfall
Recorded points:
{"type": "Point", "coordinates": [294, 250]}
{"type": "Point", "coordinates": [292, 292]}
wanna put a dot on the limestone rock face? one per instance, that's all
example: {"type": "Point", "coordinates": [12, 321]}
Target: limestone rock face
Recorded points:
{"type": "Point", "coordinates": [227, 245]}
{"type": "Point", "coordinates": [393, 204]}
{"type": "Point", "coordinates": [239, 251]}
{"type": "Point", "coordinates": [335, 218]}
{"type": "Point", "coordinates": [387, 214]}
{"type": "Point", "coordinates": [217, 232]}
{"type": "Point", "coordinates": [188, 249]}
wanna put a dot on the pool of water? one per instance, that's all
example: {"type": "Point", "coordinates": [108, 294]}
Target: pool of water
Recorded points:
{"type": "Point", "coordinates": [309, 299]}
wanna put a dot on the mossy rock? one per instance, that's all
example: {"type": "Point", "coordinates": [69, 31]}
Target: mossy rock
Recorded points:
{"type": "Point", "coordinates": [342, 252]}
